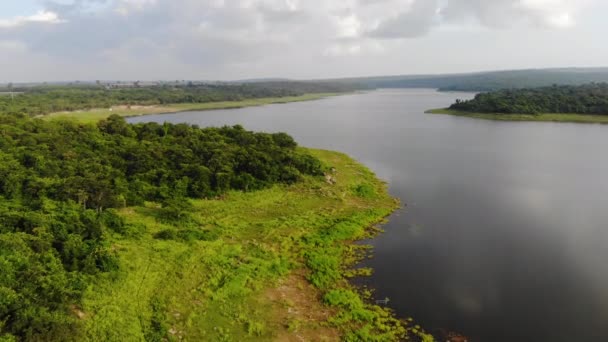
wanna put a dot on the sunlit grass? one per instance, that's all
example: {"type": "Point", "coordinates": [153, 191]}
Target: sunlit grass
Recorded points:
{"type": "Point", "coordinates": [550, 117]}
{"type": "Point", "coordinates": [212, 289]}
{"type": "Point", "coordinates": [94, 115]}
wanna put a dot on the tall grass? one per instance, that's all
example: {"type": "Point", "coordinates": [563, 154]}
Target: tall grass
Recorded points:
{"type": "Point", "coordinates": [204, 279]}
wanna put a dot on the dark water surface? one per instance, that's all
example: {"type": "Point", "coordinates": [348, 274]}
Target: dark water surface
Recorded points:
{"type": "Point", "coordinates": [505, 235]}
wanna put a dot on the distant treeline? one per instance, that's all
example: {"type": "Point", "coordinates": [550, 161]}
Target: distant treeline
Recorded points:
{"type": "Point", "coordinates": [585, 99]}
{"type": "Point", "coordinates": [59, 183]}
{"type": "Point", "coordinates": [488, 81]}
{"type": "Point", "coordinates": [41, 100]}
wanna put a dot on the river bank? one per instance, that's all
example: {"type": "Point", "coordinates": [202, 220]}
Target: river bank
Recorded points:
{"type": "Point", "coordinates": [94, 115]}
{"type": "Point", "coordinates": [544, 117]}
{"type": "Point", "coordinates": [272, 264]}
{"type": "Point", "coordinates": [460, 177]}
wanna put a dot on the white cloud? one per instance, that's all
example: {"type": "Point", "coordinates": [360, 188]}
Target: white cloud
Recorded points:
{"type": "Point", "coordinates": [348, 26]}
{"type": "Point", "coordinates": [40, 17]}
{"type": "Point", "coordinates": [552, 13]}
{"type": "Point", "coordinates": [224, 35]}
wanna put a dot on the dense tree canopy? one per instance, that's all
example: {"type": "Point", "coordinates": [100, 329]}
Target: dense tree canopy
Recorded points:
{"type": "Point", "coordinates": [585, 99]}
{"type": "Point", "coordinates": [59, 183]}
{"type": "Point", "coordinates": [48, 99]}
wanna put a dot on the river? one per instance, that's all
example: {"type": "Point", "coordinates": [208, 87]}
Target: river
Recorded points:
{"type": "Point", "coordinates": [505, 232]}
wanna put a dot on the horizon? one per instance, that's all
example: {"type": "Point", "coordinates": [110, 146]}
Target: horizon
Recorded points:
{"type": "Point", "coordinates": [285, 79]}
{"type": "Point", "coordinates": [64, 40]}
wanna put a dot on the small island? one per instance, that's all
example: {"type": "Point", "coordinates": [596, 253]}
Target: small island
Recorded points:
{"type": "Point", "coordinates": [583, 104]}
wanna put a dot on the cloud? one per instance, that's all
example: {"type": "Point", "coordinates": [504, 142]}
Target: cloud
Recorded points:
{"type": "Point", "coordinates": [227, 35]}
{"type": "Point", "coordinates": [421, 16]}
{"type": "Point", "coordinates": [505, 13]}
{"type": "Point", "coordinates": [40, 17]}
{"type": "Point", "coordinates": [414, 22]}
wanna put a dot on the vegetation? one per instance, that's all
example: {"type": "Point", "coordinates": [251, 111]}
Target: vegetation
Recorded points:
{"type": "Point", "coordinates": [56, 179]}
{"type": "Point", "coordinates": [582, 104]}
{"type": "Point", "coordinates": [247, 274]}
{"type": "Point", "coordinates": [94, 115]}
{"type": "Point", "coordinates": [585, 99]}
{"type": "Point", "coordinates": [544, 117]}
{"type": "Point", "coordinates": [42, 100]}
{"type": "Point", "coordinates": [120, 232]}
{"type": "Point", "coordinates": [489, 81]}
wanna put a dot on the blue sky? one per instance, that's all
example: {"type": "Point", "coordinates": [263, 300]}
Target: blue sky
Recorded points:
{"type": "Point", "coordinates": [55, 40]}
{"type": "Point", "coordinates": [10, 8]}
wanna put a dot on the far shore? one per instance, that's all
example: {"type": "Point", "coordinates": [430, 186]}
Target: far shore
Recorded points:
{"type": "Point", "coordinates": [94, 115]}
{"type": "Point", "coordinates": [544, 117]}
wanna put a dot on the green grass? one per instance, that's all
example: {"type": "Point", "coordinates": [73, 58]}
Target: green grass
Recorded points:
{"type": "Point", "coordinates": [547, 117]}
{"type": "Point", "coordinates": [212, 287]}
{"type": "Point", "coordinates": [94, 115]}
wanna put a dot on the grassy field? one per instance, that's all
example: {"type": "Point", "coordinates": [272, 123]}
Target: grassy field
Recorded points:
{"type": "Point", "coordinates": [94, 115]}
{"type": "Point", "coordinates": [270, 265]}
{"type": "Point", "coordinates": [548, 117]}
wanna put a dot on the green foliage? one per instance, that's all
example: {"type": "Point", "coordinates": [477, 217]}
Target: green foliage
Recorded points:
{"type": "Point", "coordinates": [364, 191]}
{"type": "Point", "coordinates": [115, 164]}
{"type": "Point", "coordinates": [158, 328]}
{"type": "Point", "coordinates": [153, 232]}
{"type": "Point", "coordinates": [113, 221]}
{"type": "Point", "coordinates": [543, 117]}
{"type": "Point", "coordinates": [186, 235]}
{"type": "Point", "coordinates": [61, 188]}
{"type": "Point", "coordinates": [327, 257]}
{"type": "Point", "coordinates": [42, 100]}
{"type": "Point", "coordinates": [255, 328]}
{"type": "Point", "coordinates": [585, 99]}
{"type": "Point", "coordinates": [175, 211]}
{"type": "Point", "coordinates": [7, 338]}
{"type": "Point", "coordinates": [220, 286]}
{"type": "Point", "coordinates": [294, 325]}
{"type": "Point", "coordinates": [35, 289]}
{"type": "Point", "coordinates": [326, 266]}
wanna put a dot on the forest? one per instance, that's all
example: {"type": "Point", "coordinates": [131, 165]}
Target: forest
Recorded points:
{"type": "Point", "coordinates": [45, 99]}
{"type": "Point", "coordinates": [489, 81]}
{"type": "Point", "coordinates": [61, 184]}
{"type": "Point", "coordinates": [584, 99]}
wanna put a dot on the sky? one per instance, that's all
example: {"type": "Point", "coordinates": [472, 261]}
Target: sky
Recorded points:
{"type": "Point", "coordinates": [64, 40]}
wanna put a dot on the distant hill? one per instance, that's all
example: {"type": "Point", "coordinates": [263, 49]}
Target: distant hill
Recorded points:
{"type": "Point", "coordinates": [476, 82]}
{"type": "Point", "coordinates": [487, 81]}
{"type": "Point", "coordinates": [261, 80]}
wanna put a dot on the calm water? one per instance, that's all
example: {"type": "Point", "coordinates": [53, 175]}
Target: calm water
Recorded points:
{"type": "Point", "coordinates": [505, 234]}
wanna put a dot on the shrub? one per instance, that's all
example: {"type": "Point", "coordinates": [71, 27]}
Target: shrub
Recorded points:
{"type": "Point", "coordinates": [364, 191]}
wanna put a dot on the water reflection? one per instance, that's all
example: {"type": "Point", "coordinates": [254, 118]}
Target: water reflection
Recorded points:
{"type": "Point", "coordinates": [504, 235]}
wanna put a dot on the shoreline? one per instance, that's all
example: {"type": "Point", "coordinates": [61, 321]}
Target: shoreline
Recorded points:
{"type": "Point", "coordinates": [97, 114]}
{"type": "Point", "coordinates": [545, 117]}
{"type": "Point", "coordinates": [288, 267]}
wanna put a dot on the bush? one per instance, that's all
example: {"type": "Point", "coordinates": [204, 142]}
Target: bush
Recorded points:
{"type": "Point", "coordinates": [62, 182]}
{"type": "Point", "coordinates": [113, 221]}
{"type": "Point", "coordinates": [166, 234]}
{"type": "Point", "coordinates": [364, 191]}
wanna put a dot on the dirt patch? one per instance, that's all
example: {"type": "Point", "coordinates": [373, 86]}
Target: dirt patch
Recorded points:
{"type": "Point", "coordinates": [299, 311]}
{"type": "Point", "coordinates": [77, 311]}
{"type": "Point", "coordinates": [134, 107]}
